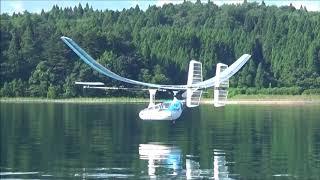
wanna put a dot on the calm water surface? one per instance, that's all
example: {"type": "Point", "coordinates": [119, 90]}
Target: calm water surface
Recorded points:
{"type": "Point", "coordinates": [109, 141]}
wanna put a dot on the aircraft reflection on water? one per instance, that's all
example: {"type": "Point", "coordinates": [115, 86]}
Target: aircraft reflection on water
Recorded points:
{"type": "Point", "coordinates": [167, 160]}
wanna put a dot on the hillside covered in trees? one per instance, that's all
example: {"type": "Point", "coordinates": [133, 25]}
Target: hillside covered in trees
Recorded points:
{"type": "Point", "coordinates": [156, 46]}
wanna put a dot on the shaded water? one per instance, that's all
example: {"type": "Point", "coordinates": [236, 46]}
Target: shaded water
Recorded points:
{"type": "Point", "coordinates": [61, 141]}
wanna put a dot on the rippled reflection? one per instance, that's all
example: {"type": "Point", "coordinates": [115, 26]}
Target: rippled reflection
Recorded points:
{"type": "Point", "coordinates": [161, 158]}
{"type": "Point", "coordinates": [167, 160]}
{"type": "Point", "coordinates": [192, 167]}
{"type": "Point", "coordinates": [220, 168]}
{"type": "Point", "coordinates": [90, 141]}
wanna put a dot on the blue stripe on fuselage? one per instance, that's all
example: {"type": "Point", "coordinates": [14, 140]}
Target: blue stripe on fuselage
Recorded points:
{"type": "Point", "coordinates": [175, 106]}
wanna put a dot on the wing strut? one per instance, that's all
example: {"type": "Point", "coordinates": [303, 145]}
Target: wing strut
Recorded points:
{"type": "Point", "coordinates": [152, 93]}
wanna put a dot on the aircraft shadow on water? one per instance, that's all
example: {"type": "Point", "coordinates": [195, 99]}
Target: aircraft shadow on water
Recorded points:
{"type": "Point", "coordinates": [192, 91]}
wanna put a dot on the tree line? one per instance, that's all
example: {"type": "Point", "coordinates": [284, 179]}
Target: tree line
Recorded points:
{"type": "Point", "coordinates": [156, 46]}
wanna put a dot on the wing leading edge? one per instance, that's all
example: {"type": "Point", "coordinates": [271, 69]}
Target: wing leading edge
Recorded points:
{"type": "Point", "coordinates": [230, 71]}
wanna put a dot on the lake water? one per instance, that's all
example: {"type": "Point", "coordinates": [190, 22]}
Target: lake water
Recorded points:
{"type": "Point", "coordinates": [88, 141]}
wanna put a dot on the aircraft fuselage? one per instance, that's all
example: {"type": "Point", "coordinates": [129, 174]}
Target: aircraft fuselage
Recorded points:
{"type": "Point", "coordinates": [168, 110]}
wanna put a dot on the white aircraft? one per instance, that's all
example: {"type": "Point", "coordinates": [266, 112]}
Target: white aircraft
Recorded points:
{"type": "Point", "coordinates": [169, 110]}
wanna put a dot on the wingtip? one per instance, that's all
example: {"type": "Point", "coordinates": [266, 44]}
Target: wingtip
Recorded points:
{"type": "Point", "coordinates": [247, 55]}
{"type": "Point", "coordinates": [64, 37]}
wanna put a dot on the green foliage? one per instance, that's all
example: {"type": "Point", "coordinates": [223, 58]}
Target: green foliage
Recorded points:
{"type": "Point", "coordinates": [69, 87]}
{"type": "Point", "coordinates": [15, 88]}
{"type": "Point", "coordinates": [6, 90]}
{"type": "Point", "coordinates": [311, 91]}
{"type": "Point", "coordinates": [156, 46]}
{"type": "Point", "coordinates": [159, 77]}
{"type": "Point", "coordinates": [260, 79]}
{"type": "Point", "coordinates": [40, 80]}
{"type": "Point", "coordinates": [271, 91]}
{"type": "Point", "coordinates": [52, 92]}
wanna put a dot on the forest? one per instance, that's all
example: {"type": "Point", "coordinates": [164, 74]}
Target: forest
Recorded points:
{"type": "Point", "coordinates": [156, 46]}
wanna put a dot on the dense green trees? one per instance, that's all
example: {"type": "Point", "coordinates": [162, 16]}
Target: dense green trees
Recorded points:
{"type": "Point", "coordinates": [156, 46]}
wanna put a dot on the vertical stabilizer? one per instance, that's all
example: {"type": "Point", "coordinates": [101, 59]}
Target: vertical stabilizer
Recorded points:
{"type": "Point", "coordinates": [194, 76]}
{"type": "Point", "coordinates": [221, 87]}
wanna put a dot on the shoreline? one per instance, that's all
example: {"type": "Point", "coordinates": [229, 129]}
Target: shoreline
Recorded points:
{"type": "Point", "coordinates": [267, 102]}
{"type": "Point", "coordinates": [74, 100]}
{"type": "Point", "coordinates": [241, 99]}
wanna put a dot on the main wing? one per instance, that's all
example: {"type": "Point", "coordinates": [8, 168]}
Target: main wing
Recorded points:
{"type": "Point", "coordinates": [201, 85]}
{"type": "Point", "coordinates": [95, 65]}
{"type": "Point", "coordinates": [227, 73]}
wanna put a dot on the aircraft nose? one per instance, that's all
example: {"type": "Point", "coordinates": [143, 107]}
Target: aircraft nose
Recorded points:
{"type": "Point", "coordinates": [140, 114]}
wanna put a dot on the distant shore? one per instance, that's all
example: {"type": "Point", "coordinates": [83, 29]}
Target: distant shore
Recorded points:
{"type": "Point", "coordinates": [275, 99]}
{"type": "Point", "coordinates": [74, 100]}
{"type": "Point", "coordinates": [239, 99]}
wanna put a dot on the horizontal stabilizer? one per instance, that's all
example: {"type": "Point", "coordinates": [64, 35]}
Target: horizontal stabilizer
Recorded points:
{"type": "Point", "coordinates": [90, 83]}
{"type": "Point", "coordinates": [116, 88]}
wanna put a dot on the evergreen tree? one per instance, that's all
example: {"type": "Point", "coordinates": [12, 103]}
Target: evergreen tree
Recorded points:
{"type": "Point", "coordinates": [156, 45]}
{"type": "Point", "coordinates": [259, 80]}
